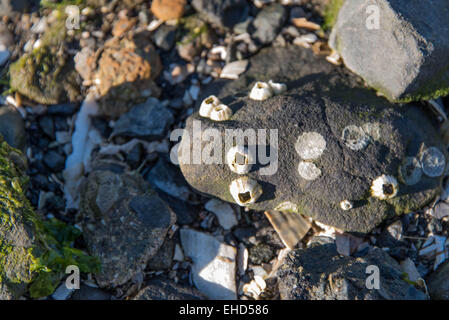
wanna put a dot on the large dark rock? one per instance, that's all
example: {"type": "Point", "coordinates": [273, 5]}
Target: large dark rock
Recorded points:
{"type": "Point", "coordinates": [124, 223]}
{"type": "Point", "coordinates": [222, 13]}
{"type": "Point", "coordinates": [407, 57]}
{"type": "Point", "coordinates": [12, 127]}
{"type": "Point", "coordinates": [324, 101]}
{"type": "Point", "coordinates": [320, 273]}
{"type": "Point", "coordinates": [438, 283]}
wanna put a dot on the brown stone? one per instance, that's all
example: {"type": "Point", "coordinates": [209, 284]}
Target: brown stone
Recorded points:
{"type": "Point", "coordinates": [168, 9]}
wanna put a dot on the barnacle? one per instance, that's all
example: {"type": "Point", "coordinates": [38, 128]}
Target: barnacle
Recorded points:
{"type": "Point", "coordinates": [384, 187]}
{"type": "Point", "coordinates": [220, 113]}
{"type": "Point", "coordinates": [239, 159]}
{"type": "Point", "coordinates": [346, 205]}
{"type": "Point", "coordinates": [308, 170]}
{"type": "Point", "coordinates": [310, 145]}
{"type": "Point", "coordinates": [433, 162]}
{"type": "Point", "coordinates": [207, 105]}
{"type": "Point", "coordinates": [261, 91]}
{"type": "Point", "coordinates": [245, 190]}
{"type": "Point", "coordinates": [277, 88]}
{"type": "Point", "coordinates": [355, 137]}
{"type": "Point", "coordinates": [410, 172]}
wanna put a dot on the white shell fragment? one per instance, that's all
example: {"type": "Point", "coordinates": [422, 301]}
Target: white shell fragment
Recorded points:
{"type": "Point", "coordinates": [207, 105]}
{"type": "Point", "coordinates": [277, 87]}
{"type": "Point", "coordinates": [220, 113]}
{"type": "Point", "coordinates": [334, 58]}
{"type": "Point", "coordinates": [310, 145]}
{"type": "Point", "coordinates": [384, 187]}
{"type": "Point", "coordinates": [308, 170]}
{"type": "Point", "coordinates": [433, 162]}
{"type": "Point", "coordinates": [410, 171]}
{"type": "Point", "coordinates": [239, 159]}
{"type": "Point", "coordinates": [261, 91]}
{"type": "Point", "coordinates": [355, 138]}
{"type": "Point", "coordinates": [346, 205]}
{"type": "Point", "coordinates": [245, 191]}
{"type": "Point", "coordinates": [234, 69]}
{"type": "Point", "coordinates": [305, 40]}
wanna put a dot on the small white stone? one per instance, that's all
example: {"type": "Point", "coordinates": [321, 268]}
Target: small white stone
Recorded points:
{"type": "Point", "coordinates": [384, 187]}
{"type": "Point", "coordinates": [224, 213]}
{"type": "Point", "coordinates": [310, 145]}
{"type": "Point", "coordinates": [234, 69]}
{"type": "Point", "coordinates": [433, 162]}
{"type": "Point", "coordinates": [346, 205]}
{"type": "Point", "coordinates": [245, 191]}
{"type": "Point", "coordinates": [308, 170]}
{"type": "Point", "coordinates": [277, 87]}
{"type": "Point", "coordinates": [220, 113]}
{"type": "Point", "coordinates": [261, 91]}
{"type": "Point", "coordinates": [334, 58]}
{"type": "Point", "coordinates": [239, 159]}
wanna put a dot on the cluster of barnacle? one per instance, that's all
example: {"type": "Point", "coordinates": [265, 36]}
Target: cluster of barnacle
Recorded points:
{"type": "Point", "coordinates": [244, 190]}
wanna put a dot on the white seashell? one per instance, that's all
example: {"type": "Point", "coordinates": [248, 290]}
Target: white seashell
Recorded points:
{"type": "Point", "coordinates": [346, 205]}
{"type": "Point", "coordinates": [239, 159]}
{"type": "Point", "coordinates": [334, 58]}
{"type": "Point", "coordinates": [305, 40]}
{"type": "Point", "coordinates": [207, 105]}
{"type": "Point", "coordinates": [261, 91]}
{"type": "Point", "coordinates": [277, 88]}
{"type": "Point", "coordinates": [310, 145]}
{"type": "Point", "coordinates": [308, 170]}
{"type": "Point", "coordinates": [355, 138]}
{"type": "Point", "coordinates": [245, 191]}
{"type": "Point", "coordinates": [384, 187]}
{"type": "Point", "coordinates": [433, 162]}
{"type": "Point", "coordinates": [234, 69]}
{"type": "Point", "coordinates": [220, 113]}
{"type": "Point", "coordinates": [410, 172]}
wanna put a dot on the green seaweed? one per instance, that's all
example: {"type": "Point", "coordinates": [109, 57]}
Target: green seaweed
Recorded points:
{"type": "Point", "coordinates": [331, 13]}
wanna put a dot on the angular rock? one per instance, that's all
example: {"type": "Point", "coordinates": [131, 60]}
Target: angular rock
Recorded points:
{"type": "Point", "coordinates": [319, 273]}
{"type": "Point", "coordinates": [124, 223]}
{"type": "Point", "coordinates": [405, 56]}
{"type": "Point", "coordinates": [222, 13]}
{"type": "Point", "coordinates": [164, 37]}
{"type": "Point", "coordinates": [438, 283]}
{"type": "Point", "coordinates": [224, 213]}
{"type": "Point", "coordinates": [214, 264]}
{"type": "Point", "coordinates": [162, 260]}
{"type": "Point", "coordinates": [345, 116]}
{"type": "Point", "coordinates": [149, 120]}
{"type": "Point", "coordinates": [268, 23]}
{"type": "Point", "coordinates": [164, 289]}
{"type": "Point", "coordinates": [12, 127]}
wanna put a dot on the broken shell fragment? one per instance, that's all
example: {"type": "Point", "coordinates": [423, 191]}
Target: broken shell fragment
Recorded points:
{"type": "Point", "coordinates": [346, 205]}
{"type": "Point", "coordinates": [277, 88]}
{"type": "Point", "coordinates": [239, 159]}
{"type": "Point", "coordinates": [355, 138]}
{"type": "Point", "coordinates": [308, 170]}
{"type": "Point", "coordinates": [261, 91]}
{"type": "Point", "coordinates": [245, 191]}
{"type": "Point", "coordinates": [410, 171]}
{"type": "Point", "coordinates": [384, 187]}
{"type": "Point", "coordinates": [310, 145]}
{"type": "Point", "coordinates": [334, 58]}
{"type": "Point", "coordinates": [207, 105]}
{"type": "Point", "coordinates": [220, 113]}
{"type": "Point", "coordinates": [433, 162]}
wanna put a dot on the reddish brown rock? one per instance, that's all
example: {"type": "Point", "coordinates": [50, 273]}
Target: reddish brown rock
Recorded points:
{"type": "Point", "coordinates": [168, 9]}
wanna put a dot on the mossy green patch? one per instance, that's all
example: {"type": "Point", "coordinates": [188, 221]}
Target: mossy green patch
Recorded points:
{"type": "Point", "coordinates": [331, 13]}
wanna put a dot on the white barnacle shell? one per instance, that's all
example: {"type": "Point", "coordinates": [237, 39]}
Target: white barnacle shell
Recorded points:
{"type": "Point", "coordinates": [355, 137]}
{"type": "Point", "coordinates": [261, 91]}
{"type": "Point", "coordinates": [433, 162]}
{"type": "Point", "coordinates": [207, 105]}
{"type": "Point", "coordinates": [308, 170]}
{"type": "Point", "coordinates": [239, 159]}
{"type": "Point", "coordinates": [410, 172]}
{"type": "Point", "coordinates": [310, 145]}
{"type": "Point", "coordinates": [277, 88]}
{"type": "Point", "coordinates": [245, 190]}
{"type": "Point", "coordinates": [384, 187]}
{"type": "Point", "coordinates": [346, 205]}
{"type": "Point", "coordinates": [220, 113]}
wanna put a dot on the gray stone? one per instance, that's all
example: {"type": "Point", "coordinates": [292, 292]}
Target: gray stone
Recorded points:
{"type": "Point", "coordinates": [326, 101]}
{"type": "Point", "coordinates": [65, 109]}
{"type": "Point", "coordinates": [222, 13]}
{"type": "Point", "coordinates": [320, 273]}
{"type": "Point", "coordinates": [407, 57]}
{"type": "Point", "coordinates": [164, 37]}
{"type": "Point", "coordinates": [54, 161]}
{"type": "Point", "coordinates": [124, 223]}
{"type": "Point", "coordinates": [268, 23]}
{"type": "Point", "coordinates": [149, 120]}
{"type": "Point", "coordinates": [164, 289]}
{"type": "Point", "coordinates": [162, 260]}
{"type": "Point", "coordinates": [12, 127]}
{"type": "Point", "coordinates": [90, 293]}
{"type": "Point", "coordinates": [438, 283]}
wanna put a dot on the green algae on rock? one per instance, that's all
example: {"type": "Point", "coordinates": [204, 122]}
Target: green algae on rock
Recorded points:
{"type": "Point", "coordinates": [33, 253]}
